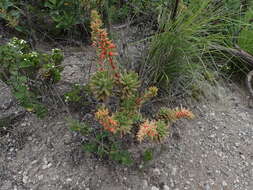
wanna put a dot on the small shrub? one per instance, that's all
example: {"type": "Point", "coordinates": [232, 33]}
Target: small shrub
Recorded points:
{"type": "Point", "coordinates": [52, 17]}
{"type": "Point", "coordinates": [26, 71]}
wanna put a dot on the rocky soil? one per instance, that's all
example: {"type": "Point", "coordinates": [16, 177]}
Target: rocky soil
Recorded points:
{"type": "Point", "coordinates": [212, 152]}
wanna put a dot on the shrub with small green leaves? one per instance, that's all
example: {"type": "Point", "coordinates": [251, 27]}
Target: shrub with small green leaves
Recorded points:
{"type": "Point", "coordinates": [25, 70]}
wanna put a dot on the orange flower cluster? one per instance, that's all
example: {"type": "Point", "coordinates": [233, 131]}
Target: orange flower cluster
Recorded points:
{"type": "Point", "coordinates": [184, 113]}
{"type": "Point", "coordinates": [106, 48]}
{"type": "Point", "coordinates": [172, 115]}
{"type": "Point", "coordinates": [109, 124]}
{"type": "Point", "coordinates": [148, 128]}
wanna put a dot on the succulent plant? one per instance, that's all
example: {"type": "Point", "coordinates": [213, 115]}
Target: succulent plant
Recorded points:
{"type": "Point", "coordinates": [101, 85]}
{"type": "Point", "coordinates": [125, 122]}
{"type": "Point", "coordinates": [129, 84]}
{"type": "Point", "coordinates": [172, 115]}
{"type": "Point", "coordinates": [166, 114]}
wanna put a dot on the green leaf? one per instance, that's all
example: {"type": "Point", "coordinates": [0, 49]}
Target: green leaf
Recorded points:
{"type": "Point", "coordinates": [148, 155]}
{"type": "Point", "coordinates": [90, 147]}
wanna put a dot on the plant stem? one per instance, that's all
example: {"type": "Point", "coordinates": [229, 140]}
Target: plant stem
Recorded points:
{"type": "Point", "coordinates": [174, 11]}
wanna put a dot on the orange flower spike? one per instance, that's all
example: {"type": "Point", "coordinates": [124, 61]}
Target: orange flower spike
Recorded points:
{"type": "Point", "coordinates": [105, 47]}
{"type": "Point", "coordinates": [184, 113]}
{"type": "Point", "coordinates": [111, 46]}
{"type": "Point", "coordinates": [112, 53]}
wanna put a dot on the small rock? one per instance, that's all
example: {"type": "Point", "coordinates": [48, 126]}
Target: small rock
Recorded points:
{"type": "Point", "coordinates": [165, 187]}
{"type": "Point", "coordinates": [172, 183]}
{"type": "Point", "coordinates": [207, 187]}
{"type": "Point", "coordinates": [69, 180]}
{"type": "Point", "coordinates": [25, 178]}
{"type": "Point", "coordinates": [40, 177]}
{"type": "Point", "coordinates": [144, 184]}
{"type": "Point", "coordinates": [154, 188]}
{"type": "Point", "coordinates": [67, 139]}
{"type": "Point", "coordinates": [237, 144]}
{"type": "Point", "coordinates": [9, 110]}
{"type": "Point", "coordinates": [174, 171]}
{"type": "Point", "coordinates": [45, 166]}
{"type": "Point", "coordinates": [156, 171]}
{"type": "Point", "coordinates": [224, 183]}
{"type": "Point", "coordinates": [34, 162]}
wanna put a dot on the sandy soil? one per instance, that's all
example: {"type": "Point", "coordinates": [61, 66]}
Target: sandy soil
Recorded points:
{"type": "Point", "coordinates": [214, 151]}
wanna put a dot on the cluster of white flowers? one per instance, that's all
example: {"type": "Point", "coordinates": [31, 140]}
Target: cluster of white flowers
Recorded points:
{"type": "Point", "coordinates": [15, 42]}
{"type": "Point", "coordinates": [66, 99]}
{"type": "Point", "coordinates": [56, 50]}
{"type": "Point", "coordinates": [33, 54]}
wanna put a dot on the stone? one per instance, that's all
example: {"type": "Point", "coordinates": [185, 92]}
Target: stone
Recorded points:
{"type": "Point", "coordinates": [9, 110]}
{"type": "Point", "coordinates": [40, 177]}
{"type": "Point", "coordinates": [165, 187]}
{"type": "Point", "coordinates": [144, 184]}
{"type": "Point", "coordinates": [154, 188]}
{"type": "Point", "coordinates": [174, 171]}
{"type": "Point", "coordinates": [69, 180]}
{"type": "Point", "coordinates": [25, 179]}
{"type": "Point", "coordinates": [156, 172]}
{"type": "Point", "coordinates": [224, 183]}
{"type": "Point", "coordinates": [207, 187]}
{"type": "Point", "coordinates": [45, 166]}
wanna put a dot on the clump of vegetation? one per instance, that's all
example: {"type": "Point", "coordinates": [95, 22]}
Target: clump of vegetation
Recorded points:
{"type": "Point", "coordinates": [52, 17]}
{"type": "Point", "coordinates": [61, 18]}
{"type": "Point", "coordinates": [191, 47]}
{"type": "Point", "coordinates": [181, 51]}
{"type": "Point", "coordinates": [245, 38]}
{"type": "Point", "coordinates": [125, 120]}
{"type": "Point", "coordinates": [27, 71]}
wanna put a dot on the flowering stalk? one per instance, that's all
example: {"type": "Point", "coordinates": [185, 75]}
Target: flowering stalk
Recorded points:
{"type": "Point", "coordinates": [106, 48]}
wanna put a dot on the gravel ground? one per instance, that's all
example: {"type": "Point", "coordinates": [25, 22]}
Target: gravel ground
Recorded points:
{"type": "Point", "coordinates": [212, 152]}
